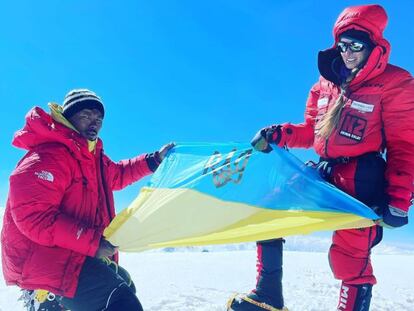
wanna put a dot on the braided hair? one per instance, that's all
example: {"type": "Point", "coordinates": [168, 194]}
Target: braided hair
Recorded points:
{"type": "Point", "coordinates": [331, 119]}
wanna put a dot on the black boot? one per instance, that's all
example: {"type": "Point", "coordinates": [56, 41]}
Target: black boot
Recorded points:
{"type": "Point", "coordinates": [355, 297]}
{"type": "Point", "coordinates": [268, 294]}
{"type": "Point", "coordinates": [250, 302]}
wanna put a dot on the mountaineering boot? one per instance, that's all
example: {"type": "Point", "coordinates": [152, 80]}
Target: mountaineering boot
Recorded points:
{"type": "Point", "coordinates": [250, 302]}
{"type": "Point", "coordinates": [268, 294]}
{"type": "Point", "coordinates": [355, 297]}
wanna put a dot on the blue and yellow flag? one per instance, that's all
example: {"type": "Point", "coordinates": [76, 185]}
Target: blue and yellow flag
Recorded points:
{"type": "Point", "coordinates": [228, 193]}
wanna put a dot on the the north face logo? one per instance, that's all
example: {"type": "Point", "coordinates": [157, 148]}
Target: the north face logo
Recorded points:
{"type": "Point", "coordinates": [45, 175]}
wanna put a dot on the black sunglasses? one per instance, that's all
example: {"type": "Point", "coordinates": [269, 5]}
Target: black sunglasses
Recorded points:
{"type": "Point", "coordinates": [353, 46]}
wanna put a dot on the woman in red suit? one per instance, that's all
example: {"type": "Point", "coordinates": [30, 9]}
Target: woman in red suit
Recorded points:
{"type": "Point", "coordinates": [359, 118]}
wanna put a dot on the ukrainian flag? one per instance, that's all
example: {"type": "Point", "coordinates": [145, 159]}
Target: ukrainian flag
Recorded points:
{"type": "Point", "coordinates": [228, 193]}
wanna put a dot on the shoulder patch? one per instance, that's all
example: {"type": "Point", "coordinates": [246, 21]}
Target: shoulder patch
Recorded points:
{"type": "Point", "coordinates": [45, 175]}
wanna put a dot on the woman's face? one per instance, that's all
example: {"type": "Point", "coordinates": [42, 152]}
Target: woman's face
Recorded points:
{"type": "Point", "coordinates": [353, 52]}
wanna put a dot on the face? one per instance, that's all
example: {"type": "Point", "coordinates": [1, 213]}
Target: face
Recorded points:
{"type": "Point", "coordinates": [88, 122]}
{"type": "Point", "coordinates": [356, 53]}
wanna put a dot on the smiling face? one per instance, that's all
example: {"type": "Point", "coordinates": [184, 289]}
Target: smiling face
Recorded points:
{"type": "Point", "coordinates": [88, 122]}
{"type": "Point", "coordinates": [353, 52]}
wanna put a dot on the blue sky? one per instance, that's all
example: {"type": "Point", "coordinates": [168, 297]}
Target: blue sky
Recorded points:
{"type": "Point", "coordinates": [173, 70]}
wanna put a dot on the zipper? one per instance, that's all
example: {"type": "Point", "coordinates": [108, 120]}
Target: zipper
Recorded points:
{"type": "Point", "coordinates": [84, 190]}
{"type": "Point", "coordinates": [104, 187]}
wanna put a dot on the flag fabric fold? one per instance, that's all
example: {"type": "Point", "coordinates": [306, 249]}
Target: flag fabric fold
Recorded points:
{"type": "Point", "coordinates": [205, 193]}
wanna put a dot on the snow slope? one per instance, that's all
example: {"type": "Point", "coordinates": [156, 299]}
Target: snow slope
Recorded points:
{"type": "Point", "coordinates": [203, 281]}
{"type": "Point", "coordinates": [203, 278]}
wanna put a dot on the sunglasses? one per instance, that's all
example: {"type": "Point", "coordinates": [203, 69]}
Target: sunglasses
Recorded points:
{"type": "Point", "coordinates": [353, 46]}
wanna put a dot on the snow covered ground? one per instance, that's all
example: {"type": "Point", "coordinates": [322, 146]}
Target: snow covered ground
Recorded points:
{"type": "Point", "coordinates": [203, 281]}
{"type": "Point", "coordinates": [203, 278]}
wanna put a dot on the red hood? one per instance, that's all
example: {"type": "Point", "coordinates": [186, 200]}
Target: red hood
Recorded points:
{"type": "Point", "coordinates": [371, 19]}
{"type": "Point", "coordinates": [41, 128]}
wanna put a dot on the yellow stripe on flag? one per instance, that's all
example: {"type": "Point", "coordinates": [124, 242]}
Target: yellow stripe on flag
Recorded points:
{"type": "Point", "coordinates": [183, 217]}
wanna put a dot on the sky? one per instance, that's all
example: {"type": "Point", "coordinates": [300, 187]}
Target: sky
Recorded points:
{"type": "Point", "coordinates": [183, 71]}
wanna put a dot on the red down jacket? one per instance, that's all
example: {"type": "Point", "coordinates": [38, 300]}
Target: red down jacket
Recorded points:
{"type": "Point", "coordinates": [378, 114]}
{"type": "Point", "coordinates": [59, 203]}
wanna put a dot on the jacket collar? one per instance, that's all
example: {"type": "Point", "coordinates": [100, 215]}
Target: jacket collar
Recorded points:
{"type": "Point", "coordinates": [330, 62]}
{"type": "Point", "coordinates": [41, 128]}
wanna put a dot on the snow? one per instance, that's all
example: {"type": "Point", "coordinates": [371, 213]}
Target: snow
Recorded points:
{"type": "Point", "coordinates": [203, 281]}
{"type": "Point", "coordinates": [203, 278]}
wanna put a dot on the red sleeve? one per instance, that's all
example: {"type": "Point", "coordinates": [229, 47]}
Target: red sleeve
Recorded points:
{"type": "Point", "coordinates": [126, 172]}
{"type": "Point", "coordinates": [37, 187]}
{"type": "Point", "coordinates": [398, 119]}
{"type": "Point", "coordinates": [302, 135]}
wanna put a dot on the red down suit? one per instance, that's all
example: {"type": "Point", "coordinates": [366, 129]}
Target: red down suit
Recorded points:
{"type": "Point", "coordinates": [59, 203]}
{"type": "Point", "coordinates": [378, 114]}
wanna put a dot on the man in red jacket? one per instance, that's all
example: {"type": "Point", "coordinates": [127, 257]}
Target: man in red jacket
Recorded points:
{"type": "Point", "coordinates": [360, 107]}
{"type": "Point", "coordinates": [59, 204]}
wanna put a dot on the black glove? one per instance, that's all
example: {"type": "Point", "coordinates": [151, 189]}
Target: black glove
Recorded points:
{"type": "Point", "coordinates": [393, 217]}
{"type": "Point", "coordinates": [325, 169]}
{"type": "Point", "coordinates": [266, 136]}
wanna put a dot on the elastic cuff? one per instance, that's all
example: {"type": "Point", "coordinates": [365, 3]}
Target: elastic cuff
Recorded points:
{"type": "Point", "coordinates": [400, 204]}
{"type": "Point", "coordinates": [153, 160]}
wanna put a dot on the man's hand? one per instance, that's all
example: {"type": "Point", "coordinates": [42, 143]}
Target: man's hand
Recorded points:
{"type": "Point", "coordinates": [105, 249]}
{"type": "Point", "coordinates": [393, 217]}
{"type": "Point", "coordinates": [164, 150]}
{"type": "Point", "coordinates": [266, 136]}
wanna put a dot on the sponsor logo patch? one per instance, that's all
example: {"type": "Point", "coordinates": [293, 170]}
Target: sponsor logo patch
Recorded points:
{"type": "Point", "coordinates": [353, 127]}
{"type": "Point", "coordinates": [45, 175]}
{"type": "Point", "coordinates": [322, 102]}
{"type": "Point", "coordinates": [360, 106]}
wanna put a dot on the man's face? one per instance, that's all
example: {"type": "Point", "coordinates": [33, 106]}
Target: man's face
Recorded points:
{"type": "Point", "coordinates": [88, 122]}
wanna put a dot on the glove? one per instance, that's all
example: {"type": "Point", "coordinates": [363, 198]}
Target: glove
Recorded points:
{"type": "Point", "coordinates": [325, 169]}
{"type": "Point", "coordinates": [106, 249]}
{"type": "Point", "coordinates": [266, 136]}
{"type": "Point", "coordinates": [393, 217]}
